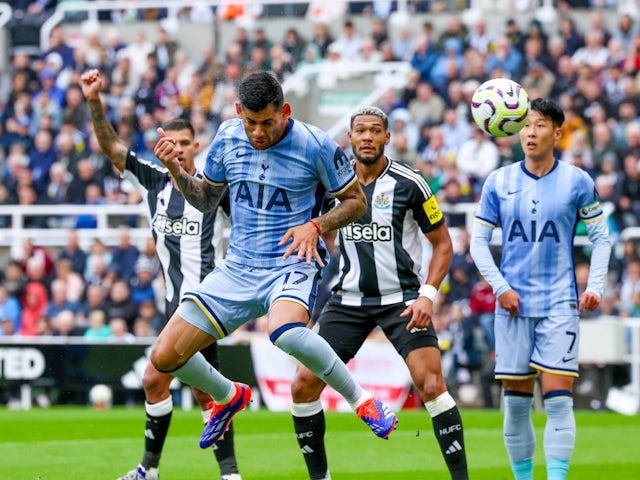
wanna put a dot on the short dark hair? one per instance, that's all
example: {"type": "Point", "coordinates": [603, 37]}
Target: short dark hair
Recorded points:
{"type": "Point", "coordinates": [178, 124]}
{"type": "Point", "coordinates": [259, 90]}
{"type": "Point", "coordinates": [550, 109]}
{"type": "Point", "coordinates": [370, 110]}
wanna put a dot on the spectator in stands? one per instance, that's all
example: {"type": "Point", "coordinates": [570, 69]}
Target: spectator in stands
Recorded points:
{"type": "Point", "coordinates": [294, 45]}
{"type": "Point", "coordinates": [42, 254]}
{"type": "Point", "coordinates": [463, 274]}
{"type": "Point", "coordinates": [93, 196]}
{"type": "Point", "coordinates": [120, 304]}
{"type": "Point", "coordinates": [477, 157]}
{"type": "Point", "coordinates": [480, 38]}
{"type": "Point", "coordinates": [59, 180]}
{"type": "Point", "coordinates": [67, 152]}
{"type": "Point", "coordinates": [142, 282]}
{"type": "Point", "coordinates": [427, 106]}
{"type": "Point", "coordinates": [75, 111]}
{"type": "Point", "coordinates": [142, 328]}
{"type": "Point", "coordinates": [73, 252]}
{"type": "Point", "coordinates": [34, 301]}
{"type": "Point", "coordinates": [65, 325]}
{"type": "Point", "coordinates": [454, 28]}
{"type": "Point", "coordinates": [119, 332]}
{"type": "Point", "coordinates": [41, 157]}
{"type": "Point", "coordinates": [448, 65]}
{"type": "Point", "coordinates": [27, 196]}
{"type": "Point", "coordinates": [95, 299]}
{"type": "Point", "coordinates": [16, 121]}
{"type": "Point", "coordinates": [390, 100]}
{"type": "Point", "coordinates": [14, 278]}
{"type": "Point", "coordinates": [7, 327]}
{"type": "Point", "coordinates": [322, 38]}
{"type": "Point", "coordinates": [401, 123]}
{"type": "Point", "coordinates": [10, 311]}
{"type": "Point", "coordinates": [98, 328]}
{"type": "Point", "coordinates": [98, 260]}
{"type": "Point", "coordinates": [594, 53]}
{"type": "Point", "coordinates": [455, 129]}
{"type": "Point", "coordinates": [630, 290]}
{"type": "Point", "coordinates": [137, 52]}
{"type": "Point", "coordinates": [164, 50]}
{"type": "Point", "coordinates": [49, 88]}
{"type": "Point", "coordinates": [58, 300]}
{"type": "Point", "coordinates": [504, 56]}
{"type": "Point", "coordinates": [148, 311]}
{"type": "Point", "coordinates": [74, 282]}
{"type": "Point", "coordinates": [538, 80]}
{"type": "Point", "coordinates": [349, 42]}
{"type": "Point", "coordinates": [21, 65]}
{"type": "Point", "coordinates": [58, 44]}
{"type": "Point", "coordinates": [629, 191]}
{"type": "Point", "coordinates": [402, 45]}
{"type": "Point", "coordinates": [603, 146]}
{"type": "Point", "coordinates": [86, 175]}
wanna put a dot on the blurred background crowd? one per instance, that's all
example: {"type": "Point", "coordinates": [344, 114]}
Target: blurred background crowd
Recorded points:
{"type": "Point", "coordinates": [49, 154]}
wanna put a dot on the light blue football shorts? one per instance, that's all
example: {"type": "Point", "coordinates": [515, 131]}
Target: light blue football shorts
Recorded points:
{"type": "Point", "coordinates": [525, 345]}
{"type": "Point", "coordinates": [233, 294]}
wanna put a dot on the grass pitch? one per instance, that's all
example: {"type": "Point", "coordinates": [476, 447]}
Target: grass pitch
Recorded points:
{"type": "Point", "coordinates": [69, 443]}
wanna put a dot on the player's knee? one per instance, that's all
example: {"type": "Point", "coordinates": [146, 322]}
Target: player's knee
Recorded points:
{"type": "Point", "coordinates": [305, 386]}
{"type": "Point", "coordinates": [163, 362]}
{"type": "Point", "coordinates": [155, 383]}
{"type": "Point", "coordinates": [431, 386]}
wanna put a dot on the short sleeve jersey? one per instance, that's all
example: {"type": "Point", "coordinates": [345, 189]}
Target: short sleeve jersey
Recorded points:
{"type": "Point", "coordinates": [274, 189]}
{"type": "Point", "coordinates": [538, 216]}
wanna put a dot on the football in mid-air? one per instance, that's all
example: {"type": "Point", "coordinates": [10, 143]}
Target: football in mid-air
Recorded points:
{"type": "Point", "coordinates": [500, 107]}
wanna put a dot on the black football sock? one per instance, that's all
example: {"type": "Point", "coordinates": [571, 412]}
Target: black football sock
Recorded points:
{"type": "Point", "coordinates": [310, 435]}
{"type": "Point", "coordinates": [158, 419]}
{"type": "Point", "coordinates": [449, 433]}
{"type": "Point", "coordinates": [225, 453]}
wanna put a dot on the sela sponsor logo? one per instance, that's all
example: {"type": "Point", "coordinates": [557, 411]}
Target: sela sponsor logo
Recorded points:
{"type": "Point", "coordinates": [21, 363]}
{"type": "Point", "coordinates": [367, 233]}
{"type": "Point", "coordinates": [175, 226]}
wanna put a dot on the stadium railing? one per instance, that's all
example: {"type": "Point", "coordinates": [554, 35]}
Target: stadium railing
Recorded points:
{"type": "Point", "coordinates": [110, 217]}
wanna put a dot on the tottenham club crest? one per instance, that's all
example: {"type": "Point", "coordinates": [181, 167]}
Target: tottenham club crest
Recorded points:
{"type": "Point", "coordinates": [382, 202]}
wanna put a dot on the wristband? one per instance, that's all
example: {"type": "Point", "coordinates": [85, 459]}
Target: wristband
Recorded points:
{"type": "Point", "coordinates": [317, 227]}
{"type": "Point", "coordinates": [428, 291]}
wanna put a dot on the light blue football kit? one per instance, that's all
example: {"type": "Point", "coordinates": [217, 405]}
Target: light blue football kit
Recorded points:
{"type": "Point", "coordinates": [270, 191]}
{"type": "Point", "coordinates": [538, 216]}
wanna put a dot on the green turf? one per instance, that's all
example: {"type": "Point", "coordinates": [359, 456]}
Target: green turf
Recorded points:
{"type": "Point", "coordinates": [80, 443]}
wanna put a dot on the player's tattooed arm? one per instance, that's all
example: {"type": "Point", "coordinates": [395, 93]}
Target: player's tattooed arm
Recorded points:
{"type": "Point", "coordinates": [114, 148]}
{"type": "Point", "coordinates": [202, 195]}
{"type": "Point", "coordinates": [352, 205]}
{"type": "Point", "coordinates": [109, 142]}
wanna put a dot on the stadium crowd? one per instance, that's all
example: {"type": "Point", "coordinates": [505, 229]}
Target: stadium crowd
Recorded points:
{"type": "Point", "coordinates": [49, 154]}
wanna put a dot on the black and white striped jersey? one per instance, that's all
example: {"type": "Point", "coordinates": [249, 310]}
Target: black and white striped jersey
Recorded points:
{"type": "Point", "coordinates": [185, 237]}
{"type": "Point", "coordinates": [382, 252]}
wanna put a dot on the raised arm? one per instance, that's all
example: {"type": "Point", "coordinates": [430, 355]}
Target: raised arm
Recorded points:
{"type": "Point", "coordinates": [202, 195]}
{"type": "Point", "coordinates": [111, 145]}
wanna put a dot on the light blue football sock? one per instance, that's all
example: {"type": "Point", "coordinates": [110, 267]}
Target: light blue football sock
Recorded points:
{"type": "Point", "coordinates": [522, 470]}
{"type": "Point", "coordinates": [557, 469]}
{"type": "Point", "coordinates": [315, 353]}
{"type": "Point", "coordinates": [519, 435]}
{"type": "Point", "coordinates": [559, 433]}
{"type": "Point", "coordinates": [197, 372]}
